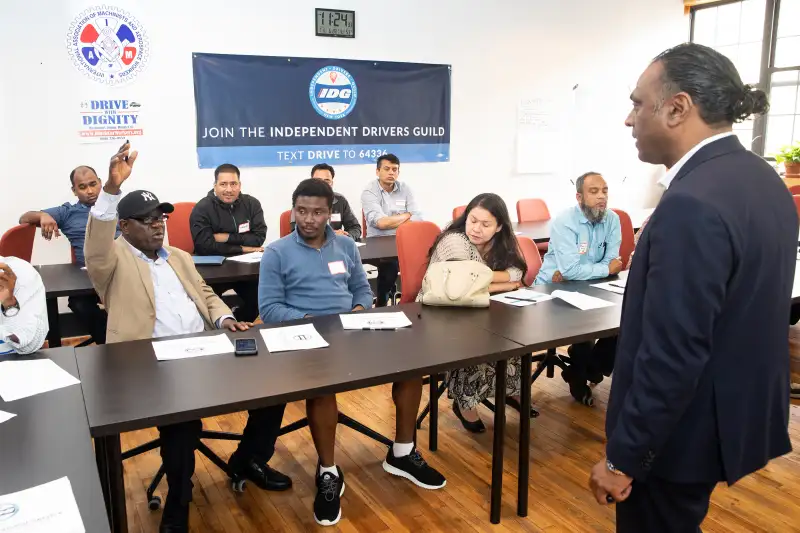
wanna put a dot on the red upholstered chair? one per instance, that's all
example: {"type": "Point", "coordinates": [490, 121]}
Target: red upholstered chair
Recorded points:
{"type": "Point", "coordinates": [178, 228]}
{"type": "Point", "coordinates": [626, 226]}
{"type": "Point", "coordinates": [286, 223]}
{"type": "Point", "coordinates": [18, 242]}
{"type": "Point", "coordinates": [532, 258]}
{"type": "Point", "coordinates": [414, 240]}
{"type": "Point", "coordinates": [794, 189]}
{"type": "Point", "coordinates": [363, 225]}
{"type": "Point", "coordinates": [534, 210]}
{"type": "Point", "coordinates": [458, 211]}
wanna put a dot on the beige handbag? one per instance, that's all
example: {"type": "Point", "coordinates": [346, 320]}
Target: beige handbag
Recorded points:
{"type": "Point", "coordinates": [457, 283]}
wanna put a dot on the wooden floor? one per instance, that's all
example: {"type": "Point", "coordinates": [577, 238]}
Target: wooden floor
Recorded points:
{"type": "Point", "coordinates": [567, 440]}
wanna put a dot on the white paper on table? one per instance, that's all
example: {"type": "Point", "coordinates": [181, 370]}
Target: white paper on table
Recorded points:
{"type": "Point", "coordinates": [375, 321]}
{"type": "Point", "coordinates": [610, 286]}
{"type": "Point", "coordinates": [360, 244]}
{"type": "Point", "coordinates": [290, 338]}
{"type": "Point", "coordinates": [43, 509]}
{"type": "Point", "coordinates": [21, 379]}
{"type": "Point", "coordinates": [584, 302]}
{"type": "Point", "coordinates": [622, 282]}
{"type": "Point", "coordinates": [192, 347]}
{"type": "Point", "coordinates": [5, 417]}
{"type": "Point", "coordinates": [521, 297]}
{"type": "Point", "coordinates": [517, 233]}
{"type": "Point", "coordinates": [252, 257]}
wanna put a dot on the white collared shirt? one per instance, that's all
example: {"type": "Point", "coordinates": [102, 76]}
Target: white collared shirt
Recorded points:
{"type": "Point", "coordinates": [176, 313]}
{"type": "Point", "coordinates": [666, 181]}
{"type": "Point", "coordinates": [29, 326]}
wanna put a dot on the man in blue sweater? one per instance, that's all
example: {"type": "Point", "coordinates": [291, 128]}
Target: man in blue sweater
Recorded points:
{"type": "Point", "coordinates": [313, 272]}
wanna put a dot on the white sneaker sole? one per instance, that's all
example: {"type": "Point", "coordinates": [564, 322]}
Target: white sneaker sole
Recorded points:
{"type": "Point", "coordinates": [335, 520]}
{"type": "Point", "coordinates": [402, 473]}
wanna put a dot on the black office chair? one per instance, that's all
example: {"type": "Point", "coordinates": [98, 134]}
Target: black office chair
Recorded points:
{"type": "Point", "coordinates": [153, 501]}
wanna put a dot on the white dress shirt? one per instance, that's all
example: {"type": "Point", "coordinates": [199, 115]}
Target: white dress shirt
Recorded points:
{"type": "Point", "coordinates": [666, 181]}
{"type": "Point", "coordinates": [176, 313]}
{"type": "Point", "coordinates": [29, 326]}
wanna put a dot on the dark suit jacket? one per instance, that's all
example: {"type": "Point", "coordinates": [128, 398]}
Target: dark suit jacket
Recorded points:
{"type": "Point", "coordinates": [701, 380]}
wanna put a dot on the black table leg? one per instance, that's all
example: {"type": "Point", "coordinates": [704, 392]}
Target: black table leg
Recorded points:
{"type": "Point", "coordinates": [433, 429]}
{"type": "Point", "coordinates": [53, 323]}
{"type": "Point", "coordinates": [497, 446]}
{"type": "Point", "coordinates": [108, 452]}
{"type": "Point", "coordinates": [524, 437]}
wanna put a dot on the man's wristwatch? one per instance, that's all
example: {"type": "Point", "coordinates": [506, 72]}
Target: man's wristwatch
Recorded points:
{"type": "Point", "coordinates": [613, 469]}
{"type": "Point", "coordinates": [11, 310]}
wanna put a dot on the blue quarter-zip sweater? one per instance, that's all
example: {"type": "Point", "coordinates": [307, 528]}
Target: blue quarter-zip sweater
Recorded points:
{"type": "Point", "coordinates": [297, 280]}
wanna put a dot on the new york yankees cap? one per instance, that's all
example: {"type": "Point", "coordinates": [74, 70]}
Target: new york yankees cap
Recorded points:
{"type": "Point", "coordinates": [141, 203]}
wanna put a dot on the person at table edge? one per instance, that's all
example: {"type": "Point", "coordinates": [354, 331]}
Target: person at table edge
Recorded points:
{"type": "Point", "coordinates": [228, 222]}
{"type": "Point", "coordinates": [70, 219]}
{"type": "Point", "coordinates": [313, 272]}
{"type": "Point", "coordinates": [387, 203]}
{"type": "Point", "coordinates": [584, 245]}
{"type": "Point", "coordinates": [175, 301]}
{"type": "Point", "coordinates": [23, 310]}
{"type": "Point", "coordinates": [343, 221]}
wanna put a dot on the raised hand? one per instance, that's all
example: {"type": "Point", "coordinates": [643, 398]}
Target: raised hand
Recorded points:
{"type": "Point", "coordinates": [119, 169]}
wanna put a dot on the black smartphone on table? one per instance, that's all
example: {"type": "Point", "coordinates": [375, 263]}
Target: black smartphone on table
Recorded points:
{"type": "Point", "coordinates": [246, 346]}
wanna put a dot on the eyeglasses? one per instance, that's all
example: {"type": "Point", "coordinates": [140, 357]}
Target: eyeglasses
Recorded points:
{"type": "Point", "coordinates": [150, 221]}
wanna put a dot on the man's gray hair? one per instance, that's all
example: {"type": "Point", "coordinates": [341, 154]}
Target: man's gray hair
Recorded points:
{"type": "Point", "coordinates": [582, 178]}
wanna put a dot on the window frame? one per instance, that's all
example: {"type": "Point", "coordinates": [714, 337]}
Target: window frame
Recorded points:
{"type": "Point", "coordinates": [768, 68]}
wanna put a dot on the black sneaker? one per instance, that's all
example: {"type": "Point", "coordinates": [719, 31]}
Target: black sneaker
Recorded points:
{"type": "Point", "coordinates": [414, 468]}
{"type": "Point", "coordinates": [327, 504]}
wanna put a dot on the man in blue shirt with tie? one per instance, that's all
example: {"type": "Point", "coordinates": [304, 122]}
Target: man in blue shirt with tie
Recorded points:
{"type": "Point", "coordinates": [584, 245]}
{"type": "Point", "coordinates": [70, 219]}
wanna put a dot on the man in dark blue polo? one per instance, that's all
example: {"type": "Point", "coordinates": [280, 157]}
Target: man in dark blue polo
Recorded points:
{"type": "Point", "coordinates": [70, 219]}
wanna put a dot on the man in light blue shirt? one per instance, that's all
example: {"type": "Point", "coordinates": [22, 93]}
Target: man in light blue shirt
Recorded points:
{"type": "Point", "coordinates": [585, 239]}
{"type": "Point", "coordinates": [312, 272]}
{"type": "Point", "coordinates": [584, 245]}
{"type": "Point", "coordinates": [387, 204]}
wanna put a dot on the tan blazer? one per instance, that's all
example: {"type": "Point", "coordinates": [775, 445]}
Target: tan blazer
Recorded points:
{"type": "Point", "coordinates": [125, 286]}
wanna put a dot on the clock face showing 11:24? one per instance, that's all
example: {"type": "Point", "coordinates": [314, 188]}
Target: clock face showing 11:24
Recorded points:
{"type": "Point", "coordinates": [335, 23]}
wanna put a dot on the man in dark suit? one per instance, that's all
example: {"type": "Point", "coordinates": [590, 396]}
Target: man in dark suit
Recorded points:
{"type": "Point", "coordinates": [700, 389]}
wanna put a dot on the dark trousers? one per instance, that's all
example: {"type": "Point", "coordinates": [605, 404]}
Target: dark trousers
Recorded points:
{"type": "Point", "coordinates": [248, 292]}
{"type": "Point", "coordinates": [657, 506]}
{"type": "Point", "coordinates": [179, 441]}
{"type": "Point", "coordinates": [93, 319]}
{"type": "Point", "coordinates": [592, 359]}
{"type": "Point", "coordinates": [387, 278]}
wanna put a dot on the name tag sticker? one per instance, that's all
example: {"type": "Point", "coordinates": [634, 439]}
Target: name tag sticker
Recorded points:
{"type": "Point", "coordinates": [583, 247]}
{"type": "Point", "coordinates": [336, 217]}
{"type": "Point", "coordinates": [244, 228]}
{"type": "Point", "coordinates": [401, 204]}
{"type": "Point", "coordinates": [337, 267]}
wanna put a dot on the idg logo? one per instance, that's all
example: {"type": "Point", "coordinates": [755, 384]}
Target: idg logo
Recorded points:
{"type": "Point", "coordinates": [333, 92]}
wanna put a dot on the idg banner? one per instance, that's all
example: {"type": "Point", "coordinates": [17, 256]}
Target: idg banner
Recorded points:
{"type": "Point", "coordinates": [261, 111]}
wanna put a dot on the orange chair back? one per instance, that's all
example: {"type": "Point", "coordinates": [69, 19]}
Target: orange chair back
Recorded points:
{"type": "Point", "coordinates": [458, 211]}
{"type": "Point", "coordinates": [532, 258]}
{"type": "Point", "coordinates": [626, 227]}
{"type": "Point", "coordinates": [796, 204]}
{"type": "Point", "coordinates": [532, 210]}
{"type": "Point", "coordinates": [286, 223]}
{"type": "Point", "coordinates": [794, 189]}
{"type": "Point", "coordinates": [414, 240]}
{"type": "Point", "coordinates": [178, 228]}
{"type": "Point", "coordinates": [18, 242]}
{"type": "Point", "coordinates": [363, 225]}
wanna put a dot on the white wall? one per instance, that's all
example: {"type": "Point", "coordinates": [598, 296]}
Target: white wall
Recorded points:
{"type": "Point", "coordinates": [501, 51]}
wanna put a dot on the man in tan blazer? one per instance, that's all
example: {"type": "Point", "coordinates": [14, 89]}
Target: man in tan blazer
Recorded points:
{"type": "Point", "coordinates": [150, 290]}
